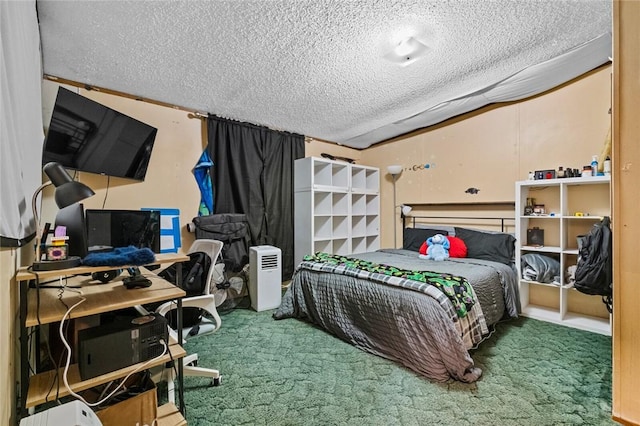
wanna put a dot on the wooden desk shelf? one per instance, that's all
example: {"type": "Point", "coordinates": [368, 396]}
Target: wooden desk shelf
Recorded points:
{"type": "Point", "coordinates": [100, 298]}
{"type": "Point", "coordinates": [43, 388]}
{"type": "Point", "coordinates": [169, 415]}
{"type": "Point", "coordinates": [42, 305]}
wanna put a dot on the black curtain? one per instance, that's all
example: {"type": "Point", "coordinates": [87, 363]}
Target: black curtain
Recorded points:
{"type": "Point", "coordinates": [252, 173]}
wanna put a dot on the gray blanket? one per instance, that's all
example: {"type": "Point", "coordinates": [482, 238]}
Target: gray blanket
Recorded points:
{"type": "Point", "coordinates": [399, 324]}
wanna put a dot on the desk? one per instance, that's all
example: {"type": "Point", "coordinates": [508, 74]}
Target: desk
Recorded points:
{"type": "Point", "coordinates": [100, 298]}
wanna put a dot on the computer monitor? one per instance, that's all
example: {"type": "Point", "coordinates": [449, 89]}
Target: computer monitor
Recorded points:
{"type": "Point", "coordinates": [72, 218]}
{"type": "Point", "coordinates": [108, 229]}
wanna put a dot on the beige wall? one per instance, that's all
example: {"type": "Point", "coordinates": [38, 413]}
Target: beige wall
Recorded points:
{"type": "Point", "coordinates": [492, 148]}
{"type": "Point", "coordinates": [489, 150]}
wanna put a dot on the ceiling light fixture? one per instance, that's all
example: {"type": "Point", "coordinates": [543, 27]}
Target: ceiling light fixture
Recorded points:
{"type": "Point", "coordinates": [407, 51]}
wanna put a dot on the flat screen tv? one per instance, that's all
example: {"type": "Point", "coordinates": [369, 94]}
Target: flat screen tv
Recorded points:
{"type": "Point", "coordinates": [87, 136]}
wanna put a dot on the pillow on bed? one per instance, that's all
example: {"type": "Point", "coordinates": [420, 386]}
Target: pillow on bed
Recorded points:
{"type": "Point", "coordinates": [414, 237]}
{"type": "Point", "coordinates": [457, 247]}
{"type": "Point", "coordinates": [498, 247]}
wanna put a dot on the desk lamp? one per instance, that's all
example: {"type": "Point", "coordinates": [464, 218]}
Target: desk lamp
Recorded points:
{"type": "Point", "coordinates": [67, 192]}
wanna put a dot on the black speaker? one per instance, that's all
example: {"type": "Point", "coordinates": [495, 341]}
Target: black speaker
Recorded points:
{"type": "Point", "coordinates": [535, 236]}
{"type": "Point", "coordinates": [106, 276]}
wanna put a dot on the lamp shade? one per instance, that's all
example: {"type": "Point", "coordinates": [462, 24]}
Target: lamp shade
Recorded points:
{"type": "Point", "coordinates": [71, 193]}
{"type": "Point", "coordinates": [68, 191]}
{"type": "Point", "coordinates": [394, 169]}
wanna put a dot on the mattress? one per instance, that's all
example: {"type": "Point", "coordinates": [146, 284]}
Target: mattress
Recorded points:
{"type": "Point", "coordinates": [401, 324]}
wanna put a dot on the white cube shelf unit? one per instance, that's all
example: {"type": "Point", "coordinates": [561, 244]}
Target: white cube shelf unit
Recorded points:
{"type": "Point", "coordinates": [571, 207]}
{"type": "Point", "coordinates": [337, 207]}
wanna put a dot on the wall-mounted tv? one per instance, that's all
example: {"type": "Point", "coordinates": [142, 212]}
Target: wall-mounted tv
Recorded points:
{"type": "Point", "coordinates": [87, 136]}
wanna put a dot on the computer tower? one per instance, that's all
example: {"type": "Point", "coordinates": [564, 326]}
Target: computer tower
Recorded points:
{"type": "Point", "coordinates": [119, 344]}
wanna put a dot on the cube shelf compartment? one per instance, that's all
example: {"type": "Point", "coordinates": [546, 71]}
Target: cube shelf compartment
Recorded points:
{"type": "Point", "coordinates": [572, 206]}
{"type": "Point", "coordinates": [337, 207]}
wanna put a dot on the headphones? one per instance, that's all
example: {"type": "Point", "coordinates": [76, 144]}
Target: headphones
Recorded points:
{"type": "Point", "coordinates": [106, 276]}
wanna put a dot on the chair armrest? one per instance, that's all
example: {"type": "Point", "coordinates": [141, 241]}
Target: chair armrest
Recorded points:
{"type": "Point", "coordinates": [206, 302]}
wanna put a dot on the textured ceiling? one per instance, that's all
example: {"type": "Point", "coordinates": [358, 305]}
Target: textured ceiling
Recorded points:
{"type": "Point", "coordinates": [320, 68]}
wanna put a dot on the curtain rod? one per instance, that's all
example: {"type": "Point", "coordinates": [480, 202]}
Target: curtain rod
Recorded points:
{"type": "Point", "coordinates": [203, 116]}
{"type": "Point", "coordinates": [191, 112]}
{"type": "Point", "coordinates": [199, 115]}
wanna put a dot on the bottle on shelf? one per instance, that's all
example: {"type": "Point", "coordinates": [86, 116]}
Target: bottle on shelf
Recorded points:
{"type": "Point", "coordinates": [594, 165]}
{"type": "Point", "coordinates": [606, 166]}
{"type": "Point", "coordinates": [528, 208]}
{"type": "Point", "coordinates": [560, 172]}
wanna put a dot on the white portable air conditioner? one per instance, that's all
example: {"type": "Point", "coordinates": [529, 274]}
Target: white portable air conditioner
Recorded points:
{"type": "Point", "coordinates": [265, 277]}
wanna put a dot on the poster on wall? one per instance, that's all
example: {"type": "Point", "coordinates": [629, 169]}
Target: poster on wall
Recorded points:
{"type": "Point", "coordinates": [169, 229]}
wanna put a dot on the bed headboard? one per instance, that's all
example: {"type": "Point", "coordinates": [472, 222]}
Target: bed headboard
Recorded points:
{"type": "Point", "coordinates": [486, 229]}
{"type": "Point", "coordinates": [497, 216]}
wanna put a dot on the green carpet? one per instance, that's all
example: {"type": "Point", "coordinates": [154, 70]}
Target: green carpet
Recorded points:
{"type": "Point", "coordinates": [288, 372]}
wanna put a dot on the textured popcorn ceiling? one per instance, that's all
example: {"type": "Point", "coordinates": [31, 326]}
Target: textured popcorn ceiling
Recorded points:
{"type": "Point", "coordinates": [321, 68]}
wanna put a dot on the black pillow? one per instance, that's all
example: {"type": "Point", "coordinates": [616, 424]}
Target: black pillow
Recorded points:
{"type": "Point", "coordinates": [414, 237]}
{"type": "Point", "coordinates": [498, 247]}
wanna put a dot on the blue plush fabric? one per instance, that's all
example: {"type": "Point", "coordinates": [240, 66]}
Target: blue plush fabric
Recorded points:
{"type": "Point", "coordinates": [121, 256]}
{"type": "Point", "coordinates": [438, 247]}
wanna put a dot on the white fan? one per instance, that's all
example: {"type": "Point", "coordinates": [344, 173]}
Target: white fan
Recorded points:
{"type": "Point", "coordinates": [220, 294]}
{"type": "Point", "coordinates": [225, 289]}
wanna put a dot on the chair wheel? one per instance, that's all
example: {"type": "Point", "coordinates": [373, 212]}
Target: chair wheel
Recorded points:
{"type": "Point", "coordinates": [217, 381]}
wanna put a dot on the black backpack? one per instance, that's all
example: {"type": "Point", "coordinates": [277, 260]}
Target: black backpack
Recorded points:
{"type": "Point", "coordinates": [594, 271]}
{"type": "Point", "coordinates": [194, 280]}
{"type": "Point", "coordinates": [233, 230]}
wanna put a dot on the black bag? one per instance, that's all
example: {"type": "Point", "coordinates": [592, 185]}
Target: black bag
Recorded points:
{"type": "Point", "coordinates": [194, 280]}
{"type": "Point", "coordinates": [233, 230]}
{"type": "Point", "coordinates": [594, 271]}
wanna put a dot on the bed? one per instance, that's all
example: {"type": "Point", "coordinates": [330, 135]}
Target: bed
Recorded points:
{"type": "Point", "coordinates": [391, 302]}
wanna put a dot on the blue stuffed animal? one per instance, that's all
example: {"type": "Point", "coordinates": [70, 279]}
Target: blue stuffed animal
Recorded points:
{"type": "Point", "coordinates": [438, 247]}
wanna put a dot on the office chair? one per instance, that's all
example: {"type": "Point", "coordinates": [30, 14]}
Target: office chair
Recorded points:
{"type": "Point", "coordinates": [209, 323]}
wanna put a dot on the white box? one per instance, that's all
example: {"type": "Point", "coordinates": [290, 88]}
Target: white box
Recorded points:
{"type": "Point", "coordinates": [74, 413]}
